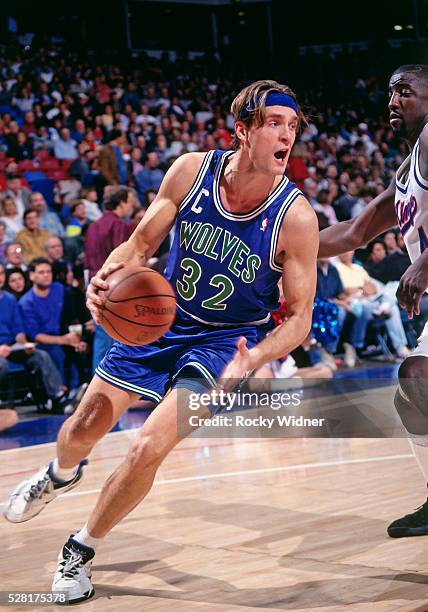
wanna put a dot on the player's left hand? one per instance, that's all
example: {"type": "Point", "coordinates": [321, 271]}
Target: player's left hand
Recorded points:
{"type": "Point", "coordinates": [413, 285]}
{"type": "Point", "coordinates": [238, 368]}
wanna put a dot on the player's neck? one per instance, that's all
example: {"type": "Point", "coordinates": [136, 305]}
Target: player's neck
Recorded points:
{"type": "Point", "coordinates": [244, 185]}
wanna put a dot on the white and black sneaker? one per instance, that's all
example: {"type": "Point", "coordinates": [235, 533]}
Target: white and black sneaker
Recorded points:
{"type": "Point", "coordinates": [32, 495]}
{"type": "Point", "coordinates": [73, 574]}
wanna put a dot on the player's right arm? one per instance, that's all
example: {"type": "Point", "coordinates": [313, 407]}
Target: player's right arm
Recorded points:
{"type": "Point", "coordinates": [152, 229]}
{"type": "Point", "coordinates": [376, 218]}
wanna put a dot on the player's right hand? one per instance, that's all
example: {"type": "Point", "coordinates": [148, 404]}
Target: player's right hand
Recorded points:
{"type": "Point", "coordinates": [95, 299]}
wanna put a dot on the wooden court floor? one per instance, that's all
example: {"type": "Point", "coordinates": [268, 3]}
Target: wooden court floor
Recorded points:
{"type": "Point", "coordinates": [234, 525]}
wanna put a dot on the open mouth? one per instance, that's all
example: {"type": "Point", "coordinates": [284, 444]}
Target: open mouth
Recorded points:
{"type": "Point", "coordinates": [281, 155]}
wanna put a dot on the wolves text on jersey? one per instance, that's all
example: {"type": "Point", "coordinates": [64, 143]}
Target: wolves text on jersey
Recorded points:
{"type": "Point", "coordinates": [217, 242]}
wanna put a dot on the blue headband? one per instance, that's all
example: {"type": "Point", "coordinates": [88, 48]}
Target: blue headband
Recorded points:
{"type": "Point", "coordinates": [275, 98]}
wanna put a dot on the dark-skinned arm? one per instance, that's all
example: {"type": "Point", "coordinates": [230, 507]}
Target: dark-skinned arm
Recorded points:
{"type": "Point", "coordinates": [376, 218]}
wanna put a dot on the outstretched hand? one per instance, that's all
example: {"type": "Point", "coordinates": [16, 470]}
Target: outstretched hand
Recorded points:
{"type": "Point", "coordinates": [413, 285]}
{"type": "Point", "coordinates": [238, 368]}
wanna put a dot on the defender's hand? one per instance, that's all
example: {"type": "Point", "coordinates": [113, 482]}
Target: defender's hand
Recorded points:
{"type": "Point", "coordinates": [413, 285]}
{"type": "Point", "coordinates": [95, 299]}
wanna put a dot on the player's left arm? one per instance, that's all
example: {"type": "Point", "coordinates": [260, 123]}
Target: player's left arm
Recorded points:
{"type": "Point", "coordinates": [298, 241]}
{"type": "Point", "coordinates": [414, 281]}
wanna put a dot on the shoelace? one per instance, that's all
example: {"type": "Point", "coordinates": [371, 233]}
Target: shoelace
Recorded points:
{"type": "Point", "coordinates": [72, 564]}
{"type": "Point", "coordinates": [37, 490]}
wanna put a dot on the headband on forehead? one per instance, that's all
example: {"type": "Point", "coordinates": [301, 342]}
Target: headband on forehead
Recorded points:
{"type": "Point", "coordinates": [275, 98]}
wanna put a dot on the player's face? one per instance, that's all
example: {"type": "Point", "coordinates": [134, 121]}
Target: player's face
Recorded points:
{"type": "Point", "coordinates": [269, 145]}
{"type": "Point", "coordinates": [408, 104]}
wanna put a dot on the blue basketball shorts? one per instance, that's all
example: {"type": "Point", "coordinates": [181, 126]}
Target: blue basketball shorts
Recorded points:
{"type": "Point", "coordinates": [190, 355]}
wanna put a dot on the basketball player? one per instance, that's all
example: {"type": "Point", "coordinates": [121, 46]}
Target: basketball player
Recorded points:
{"type": "Point", "coordinates": [405, 201]}
{"type": "Point", "coordinates": [240, 226]}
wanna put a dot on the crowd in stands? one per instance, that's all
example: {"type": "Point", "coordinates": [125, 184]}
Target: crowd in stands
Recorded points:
{"type": "Point", "coordinates": [74, 132]}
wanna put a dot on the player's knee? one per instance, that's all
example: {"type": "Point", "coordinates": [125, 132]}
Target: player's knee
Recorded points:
{"type": "Point", "coordinates": [146, 451]}
{"type": "Point", "coordinates": [413, 379]}
{"type": "Point", "coordinates": [89, 423]}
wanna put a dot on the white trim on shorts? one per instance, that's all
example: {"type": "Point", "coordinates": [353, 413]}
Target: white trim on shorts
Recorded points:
{"type": "Point", "coordinates": [202, 369]}
{"type": "Point", "coordinates": [127, 386]}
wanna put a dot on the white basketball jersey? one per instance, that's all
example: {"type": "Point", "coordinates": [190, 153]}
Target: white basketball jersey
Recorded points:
{"type": "Point", "coordinates": [411, 204]}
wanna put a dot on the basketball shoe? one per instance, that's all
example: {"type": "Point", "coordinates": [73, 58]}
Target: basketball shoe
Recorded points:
{"type": "Point", "coordinates": [414, 524]}
{"type": "Point", "coordinates": [73, 574]}
{"type": "Point", "coordinates": [32, 495]}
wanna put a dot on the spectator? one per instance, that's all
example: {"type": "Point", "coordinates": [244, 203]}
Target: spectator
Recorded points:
{"type": "Point", "coordinates": [323, 205]}
{"type": "Point", "coordinates": [365, 301]}
{"type": "Point", "coordinates": [330, 288]}
{"type": "Point", "coordinates": [20, 195]}
{"type": "Point", "coordinates": [32, 238]}
{"type": "Point", "coordinates": [61, 269]}
{"type": "Point", "coordinates": [48, 219]}
{"type": "Point", "coordinates": [17, 282]}
{"type": "Point", "coordinates": [15, 256]}
{"type": "Point", "coordinates": [390, 241]}
{"type": "Point", "coordinates": [10, 217]}
{"type": "Point", "coordinates": [24, 148]}
{"type": "Point", "coordinates": [3, 242]}
{"type": "Point", "coordinates": [102, 237]}
{"type": "Point", "coordinates": [344, 204]}
{"type": "Point", "coordinates": [88, 195]}
{"type": "Point", "coordinates": [78, 220]}
{"type": "Point", "coordinates": [111, 161]}
{"type": "Point", "coordinates": [108, 232]}
{"type": "Point", "coordinates": [42, 309]}
{"type": "Point", "coordinates": [151, 176]}
{"type": "Point", "coordinates": [38, 364]}
{"type": "Point", "coordinates": [64, 146]}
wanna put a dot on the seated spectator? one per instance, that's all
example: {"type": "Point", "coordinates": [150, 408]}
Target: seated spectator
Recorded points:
{"type": "Point", "coordinates": [38, 363]}
{"type": "Point", "coordinates": [17, 282]}
{"type": "Point", "coordinates": [323, 205]}
{"type": "Point", "coordinates": [64, 146]}
{"type": "Point", "coordinates": [20, 194]}
{"type": "Point", "coordinates": [365, 301]}
{"type": "Point", "coordinates": [329, 287]}
{"type": "Point", "coordinates": [151, 176]}
{"type": "Point", "coordinates": [23, 148]}
{"type": "Point", "coordinates": [367, 195]}
{"type": "Point", "coordinates": [77, 221]}
{"type": "Point", "coordinates": [32, 238]}
{"type": "Point", "coordinates": [10, 217]}
{"type": "Point", "coordinates": [89, 197]}
{"type": "Point", "coordinates": [15, 256]}
{"type": "Point", "coordinates": [3, 242]}
{"type": "Point", "coordinates": [344, 204]}
{"type": "Point", "coordinates": [42, 309]}
{"type": "Point", "coordinates": [48, 219]}
{"type": "Point", "coordinates": [390, 242]}
{"type": "Point", "coordinates": [386, 268]}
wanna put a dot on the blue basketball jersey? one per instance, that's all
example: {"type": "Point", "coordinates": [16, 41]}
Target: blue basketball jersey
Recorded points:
{"type": "Point", "coordinates": [222, 265]}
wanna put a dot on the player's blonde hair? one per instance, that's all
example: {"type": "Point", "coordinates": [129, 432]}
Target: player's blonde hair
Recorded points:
{"type": "Point", "coordinates": [252, 100]}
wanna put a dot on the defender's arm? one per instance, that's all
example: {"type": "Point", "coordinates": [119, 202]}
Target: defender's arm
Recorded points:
{"type": "Point", "coordinates": [378, 217]}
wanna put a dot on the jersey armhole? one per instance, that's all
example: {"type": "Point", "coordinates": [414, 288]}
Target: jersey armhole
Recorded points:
{"type": "Point", "coordinates": [198, 180]}
{"type": "Point", "coordinates": [421, 181]}
{"type": "Point", "coordinates": [277, 227]}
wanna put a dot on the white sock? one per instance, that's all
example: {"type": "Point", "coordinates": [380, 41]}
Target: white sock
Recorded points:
{"type": "Point", "coordinates": [421, 453]}
{"type": "Point", "coordinates": [83, 537]}
{"type": "Point", "coordinates": [63, 473]}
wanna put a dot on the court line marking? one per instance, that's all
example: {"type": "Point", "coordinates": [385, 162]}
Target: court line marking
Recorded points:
{"type": "Point", "coordinates": [284, 468]}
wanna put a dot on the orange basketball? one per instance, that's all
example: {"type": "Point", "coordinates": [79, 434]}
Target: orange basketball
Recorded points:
{"type": "Point", "coordinates": [140, 306]}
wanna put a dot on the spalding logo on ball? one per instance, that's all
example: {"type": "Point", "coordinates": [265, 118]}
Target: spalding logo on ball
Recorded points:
{"type": "Point", "coordinates": [140, 306]}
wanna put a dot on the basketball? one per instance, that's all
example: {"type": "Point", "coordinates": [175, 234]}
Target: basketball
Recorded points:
{"type": "Point", "coordinates": [140, 306]}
